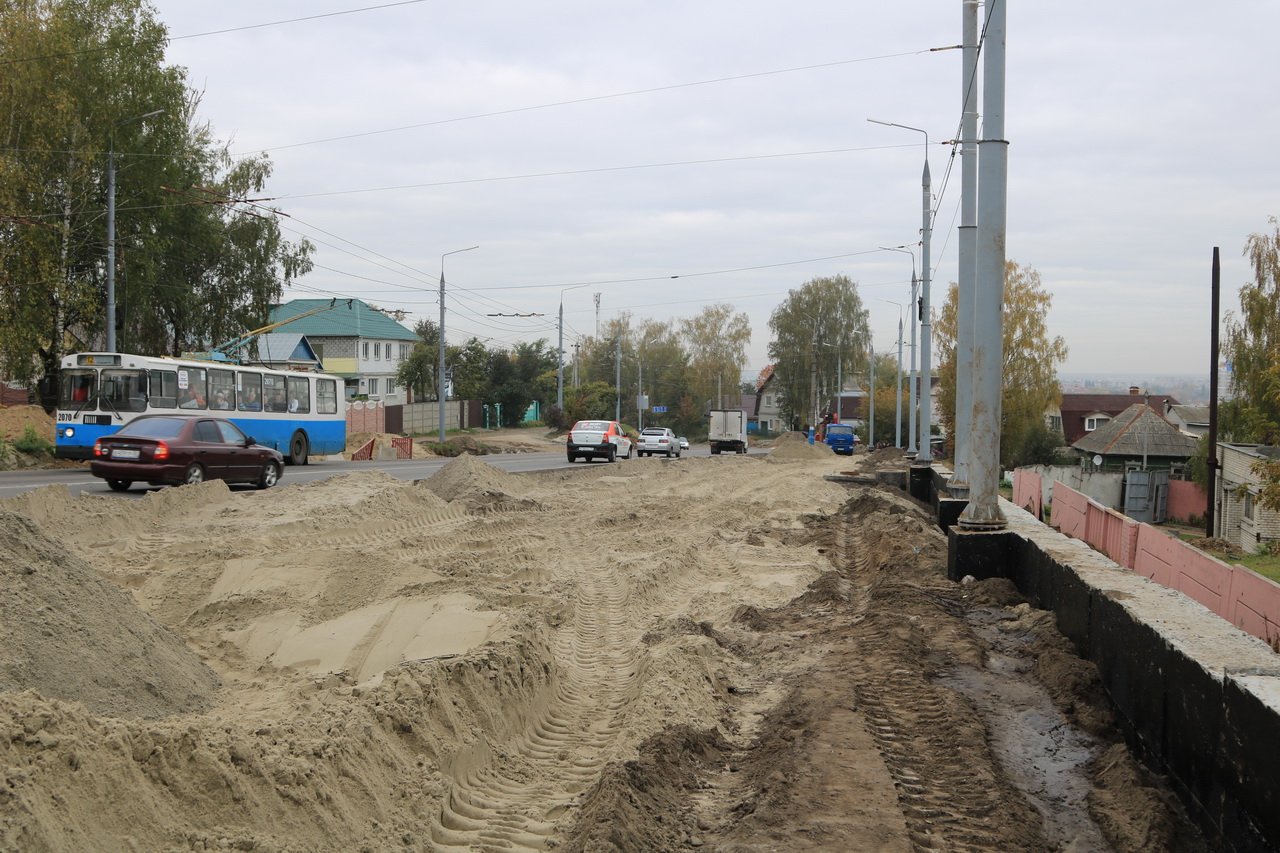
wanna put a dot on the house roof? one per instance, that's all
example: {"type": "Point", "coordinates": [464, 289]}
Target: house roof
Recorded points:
{"type": "Point", "coordinates": [278, 347]}
{"type": "Point", "coordinates": [1111, 404]}
{"type": "Point", "coordinates": [1191, 415]}
{"type": "Point", "coordinates": [346, 319]}
{"type": "Point", "coordinates": [1138, 431]}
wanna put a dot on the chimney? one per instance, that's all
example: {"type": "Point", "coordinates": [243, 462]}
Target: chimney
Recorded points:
{"type": "Point", "coordinates": [1134, 389]}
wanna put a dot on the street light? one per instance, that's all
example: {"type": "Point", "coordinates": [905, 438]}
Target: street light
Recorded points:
{"type": "Point", "coordinates": [640, 378]}
{"type": "Point", "coordinates": [897, 415]}
{"type": "Point", "coordinates": [440, 395]}
{"type": "Point", "coordinates": [560, 350]}
{"type": "Point", "coordinates": [111, 226]}
{"type": "Point", "coordinates": [911, 394]}
{"type": "Point", "coordinates": [926, 231]}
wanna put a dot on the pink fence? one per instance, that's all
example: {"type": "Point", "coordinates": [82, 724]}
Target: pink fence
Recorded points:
{"type": "Point", "coordinates": [404, 447]}
{"type": "Point", "coordinates": [1246, 599]}
{"type": "Point", "coordinates": [366, 417]}
{"type": "Point", "coordinates": [1028, 492]}
{"type": "Point", "coordinates": [1187, 500]}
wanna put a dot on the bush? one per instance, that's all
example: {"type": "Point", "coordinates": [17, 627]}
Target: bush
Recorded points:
{"type": "Point", "coordinates": [32, 442]}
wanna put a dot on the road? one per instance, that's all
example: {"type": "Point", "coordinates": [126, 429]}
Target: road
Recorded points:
{"type": "Point", "coordinates": [78, 480]}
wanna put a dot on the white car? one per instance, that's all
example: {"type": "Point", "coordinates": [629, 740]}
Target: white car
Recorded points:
{"type": "Point", "coordinates": [684, 442]}
{"type": "Point", "coordinates": [597, 439]}
{"type": "Point", "coordinates": [658, 440]}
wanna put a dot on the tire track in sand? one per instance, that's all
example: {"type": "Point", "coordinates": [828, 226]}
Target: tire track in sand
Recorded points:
{"type": "Point", "coordinates": [514, 804]}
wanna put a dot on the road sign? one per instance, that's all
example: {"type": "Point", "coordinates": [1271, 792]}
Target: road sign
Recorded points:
{"type": "Point", "coordinates": [659, 410]}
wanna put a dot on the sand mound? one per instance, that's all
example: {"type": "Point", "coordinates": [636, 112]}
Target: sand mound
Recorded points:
{"type": "Point", "coordinates": [468, 476]}
{"type": "Point", "coordinates": [68, 634]}
{"type": "Point", "coordinates": [14, 421]}
{"type": "Point", "coordinates": [792, 446]}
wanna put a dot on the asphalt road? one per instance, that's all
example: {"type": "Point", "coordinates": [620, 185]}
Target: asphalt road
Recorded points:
{"type": "Point", "coordinates": [79, 480]}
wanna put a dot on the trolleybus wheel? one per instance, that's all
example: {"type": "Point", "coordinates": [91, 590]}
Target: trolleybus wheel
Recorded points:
{"type": "Point", "coordinates": [297, 449]}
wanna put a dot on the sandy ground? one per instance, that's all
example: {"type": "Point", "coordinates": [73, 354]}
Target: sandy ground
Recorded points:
{"type": "Point", "coordinates": [722, 653]}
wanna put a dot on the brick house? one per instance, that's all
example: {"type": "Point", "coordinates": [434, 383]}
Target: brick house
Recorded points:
{"type": "Point", "coordinates": [1238, 517]}
{"type": "Point", "coordinates": [1080, 414]}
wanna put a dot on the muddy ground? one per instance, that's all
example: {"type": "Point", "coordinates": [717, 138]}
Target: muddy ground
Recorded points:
{"type": "Point", "coordinates": [721, 653]}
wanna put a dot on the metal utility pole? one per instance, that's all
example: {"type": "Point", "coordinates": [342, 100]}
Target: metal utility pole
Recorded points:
{"type": "Point", "coordinates": [1215, 287]}
{"type": "Point", "coordinates": [617, 383]}
{"type": "Point", "coordinates": [871, 424]}
{"type": "Point", "coordinates": [913, 393]}
{"type": "Point", "coordinates": [983, 510]}
{"type": "Point", "coordinates": [924, 453]}
{"type": "Point", "coordinates": [440, 386]}
{"type": "Point", "coordinates": [968, 240]}
{"type": "Point", "coordinates": [111, 227]}
{"type": "Point", "coordinates": [560, 358]}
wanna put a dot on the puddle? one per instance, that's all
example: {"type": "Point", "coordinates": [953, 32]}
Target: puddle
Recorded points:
{"type": "Point", "coordinates": [1042, 754]}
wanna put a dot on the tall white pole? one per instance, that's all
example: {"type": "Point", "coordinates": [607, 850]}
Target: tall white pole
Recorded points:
{"type": "Point", "coordinates": [911, 415]}
{"type": "Point", "coordinates": [924, 452]}
{"type": "Point", "coordinates": [560, 359]}
{"type": "Point", "coordinates": [440, 386]}
{"type": "Point", "coordinates": [897, 409]}
{"type": "Point", "coordinates": [983, 510]}
{"type": "Point", "coordinates": [871, 424]}
{"type": "Point", "coordinates": [968, 241]}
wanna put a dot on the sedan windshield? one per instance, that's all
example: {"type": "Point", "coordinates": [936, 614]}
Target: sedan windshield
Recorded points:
{"type": "Point", "coordinates": [154, 428]}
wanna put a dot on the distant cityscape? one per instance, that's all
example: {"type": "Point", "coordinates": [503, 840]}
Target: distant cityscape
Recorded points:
{"type": "Point", "coordinates": [1186, 389]}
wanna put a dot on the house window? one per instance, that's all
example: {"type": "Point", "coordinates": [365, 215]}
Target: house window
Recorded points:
{"type": "Point", "coordinates": [1249, 501]}
{"type": "Point", "coordinates": [1055, 423]}
{"type": "Point", "coordinates": [391, 386]}
{"type": "Point", "coordinates": [1090, 424]}
{"type": "Point", "coordinates": [373, 386]}
{"type": "Point", "coordinates": [366, 350]}
{"type": "Point", "coordinates": [404, 352]}
{"type": "Point", "coordinates": [377, 351]}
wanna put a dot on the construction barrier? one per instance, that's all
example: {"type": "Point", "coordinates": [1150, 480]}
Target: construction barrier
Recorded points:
{"type": "Point", "coordinates": [365, 453]}
{"type": "Point", "coordinates": [404, 447]}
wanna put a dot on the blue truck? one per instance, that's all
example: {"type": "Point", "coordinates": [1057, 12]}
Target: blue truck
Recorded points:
{"type": "Point", "coordinates": [841, 438]}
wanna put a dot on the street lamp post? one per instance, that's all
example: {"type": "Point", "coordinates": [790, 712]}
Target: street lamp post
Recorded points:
{"type": "Point", "coordinates": [111, 227]}
{"type": "Point", "coordinates": [640, 380]}
{"type": "Point", "coordinates": [440, 387]}
{"type": "Point", "coordinates": [926, 233]}
{"type": "Point", "coordinates": [560, 351]}
{"type": "Point", "coordinates": [897, 411]}
{"type": "Point", "coordinates": [911, 378]}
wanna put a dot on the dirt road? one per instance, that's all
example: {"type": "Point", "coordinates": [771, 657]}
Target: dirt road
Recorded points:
{"type": "Point", "coordinates": [722, 653]}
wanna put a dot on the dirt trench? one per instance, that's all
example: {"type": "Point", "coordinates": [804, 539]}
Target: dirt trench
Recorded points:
{"type": "Point", "coordinates": [891, 709]}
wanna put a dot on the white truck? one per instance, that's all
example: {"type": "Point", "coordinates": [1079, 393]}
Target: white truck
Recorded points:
{"type": "Point", "coordinates": [727, 432]}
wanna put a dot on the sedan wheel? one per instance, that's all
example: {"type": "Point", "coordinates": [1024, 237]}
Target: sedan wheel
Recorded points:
{"type": "Point", "coordinates": [119, 485]}
{"type": "Point", "coordinates": [195, 474]}
{"type": "Point", "coordinates": [270, 476]}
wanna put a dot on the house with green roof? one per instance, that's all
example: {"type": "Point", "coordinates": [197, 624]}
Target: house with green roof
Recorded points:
{"type": "Point", "coordinates": [355, 341]}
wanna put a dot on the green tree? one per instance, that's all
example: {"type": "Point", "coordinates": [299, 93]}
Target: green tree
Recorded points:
{"type": "Point", "coordinates": [887, 393]}
{"type": "Point", "coordinates": [1031, 358]}
{"type": "Point", "coordinates": [716, 342]}
{"type": "Point", "coordinates": [195, 263]}
{"type": "Point", "coordinates": [820, 329]}
{"type": "Point", "coordinates": [1252, 343]}
{"type": "Point", "coordinates": [418, 371]}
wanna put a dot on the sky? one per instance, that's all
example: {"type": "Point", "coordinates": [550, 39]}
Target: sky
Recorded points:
{"type": "Point", "coordinates": [674, 155]}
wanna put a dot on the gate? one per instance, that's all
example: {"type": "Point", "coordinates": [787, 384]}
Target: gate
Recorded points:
{"type": "Point", "coordinates": [1146, 495]}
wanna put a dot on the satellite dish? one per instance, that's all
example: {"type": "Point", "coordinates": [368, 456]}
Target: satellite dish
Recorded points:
{"type": "Point", "coordinates": [1097, 459]}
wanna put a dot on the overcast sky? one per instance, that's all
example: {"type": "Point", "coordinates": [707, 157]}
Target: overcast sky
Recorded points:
{"type": "Point", "coordinates": [617, 146]}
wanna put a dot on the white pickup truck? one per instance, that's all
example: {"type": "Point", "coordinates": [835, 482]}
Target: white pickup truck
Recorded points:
{"type": "Point", "coordinates": [658, 440]}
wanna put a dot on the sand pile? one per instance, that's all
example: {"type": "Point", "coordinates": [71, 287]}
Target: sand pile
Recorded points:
{"type": "Point", "coordinates": [793, 446]}
{"type": "Point", "coordinates": [68, 634]}
{"type": "Point", "coordinates": [466, 476]}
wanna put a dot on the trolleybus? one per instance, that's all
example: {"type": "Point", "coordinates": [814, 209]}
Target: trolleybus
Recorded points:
{"type": "Point", "coordinates": [300, 414]}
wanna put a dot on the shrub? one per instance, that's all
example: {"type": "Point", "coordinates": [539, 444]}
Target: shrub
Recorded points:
{"type": "Point", "coordinates": [32, 442]}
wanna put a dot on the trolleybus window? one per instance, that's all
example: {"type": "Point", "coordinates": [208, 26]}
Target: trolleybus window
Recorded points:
{"type": "Point", "coordinates": [326, 396]}
{"type": "Point", "coordinates": [299, 394]}
{"type": "Point", "coordinates": [78, 388]}
{"type": "Point", "coordinates": [250, 387]}
{"type": "Point", "coordinates": [124, 390]}
{"type": "Point", "coordinates": [222, 392]}
{"type": "Point", "coordinates": [193, 388]}
{"type": "Point", "coordinates": [273, 399]}
{"type": "Point", "coordinates": [164, 389]}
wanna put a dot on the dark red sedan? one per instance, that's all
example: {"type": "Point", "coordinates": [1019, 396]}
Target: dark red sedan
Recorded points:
{"type": "Point", "coordinates": [175, 449]}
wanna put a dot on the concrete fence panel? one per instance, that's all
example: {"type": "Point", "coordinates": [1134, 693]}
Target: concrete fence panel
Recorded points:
{"type": "Point", "coordinates": [1111, 533]}
{"type": "Point", "coordinates": [1156, 555]}
{"type": "Point", "coordinates": [1201, 577]}
{"type": "Point", "coordinates": [1253, 605]}
{"type": "Point", "coordinates": [1069, 510]}
{"type": "Point", "coordinates": [1027, 491]}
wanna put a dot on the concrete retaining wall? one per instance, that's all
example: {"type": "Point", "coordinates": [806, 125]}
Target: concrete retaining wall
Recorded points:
{"type": "Point", "coordinates": [1196, 697]}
